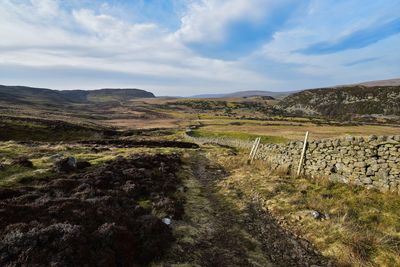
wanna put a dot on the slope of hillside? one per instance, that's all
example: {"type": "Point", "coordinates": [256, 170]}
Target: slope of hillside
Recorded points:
{"type": "Point", "coordinates": [246, 94]}
{"type": "Point", "coordinates": [345, 102]}
{"type": "Point", "coordinates": [31, 95]}
{"type": "Point", "coordinates": [391, 82]}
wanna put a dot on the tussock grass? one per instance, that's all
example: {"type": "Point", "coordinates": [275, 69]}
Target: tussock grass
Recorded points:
{"type": "Point", "coordinates": [43, 156]}
{"type": "Point", "coordinates": [362, 227]}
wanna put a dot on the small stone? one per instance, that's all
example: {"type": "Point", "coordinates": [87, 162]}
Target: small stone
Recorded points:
{"type": "Point", "coordinates": [317, 215]}
{"type": "Point", "coordinates": [167, 221]}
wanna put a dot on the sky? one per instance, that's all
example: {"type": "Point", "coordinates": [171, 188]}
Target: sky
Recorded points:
{"type": "Point", "coordinates": [189, 47]}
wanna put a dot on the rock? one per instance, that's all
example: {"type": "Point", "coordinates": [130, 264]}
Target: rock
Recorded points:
{"type": "Point", "coordinates": [80, 165]}
{"type": "Point", "coordinates": [65, 165]}
{"type": "Point", "coordinates": [360, 165]}
{"type": "Point", "coordinates": [317, 215]}
{"type": "Point", "coordinates": [167, 221]}
{"type": "Point", "coordinates": [23, 162]}
{"type": "Point", "coordinates": [382, 138]}
{"type": "Point", "coordinates": [366, 180]}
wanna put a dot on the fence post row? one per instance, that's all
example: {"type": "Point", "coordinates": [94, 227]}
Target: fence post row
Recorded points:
{"type": "Point", "coordinates": [303, 152]}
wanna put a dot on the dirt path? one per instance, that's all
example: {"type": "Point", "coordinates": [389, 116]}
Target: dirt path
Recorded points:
{"type": "Point", "coordinates": [213, 233]}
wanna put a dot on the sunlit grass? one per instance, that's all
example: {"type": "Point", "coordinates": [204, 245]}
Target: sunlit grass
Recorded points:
{"type": "Point", "coordinates": [238, 135]}
{"type": "Point", "coordinates": [363, 225]}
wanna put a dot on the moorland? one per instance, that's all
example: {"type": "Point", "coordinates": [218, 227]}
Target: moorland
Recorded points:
{"type": "Point", "coordinates": [115, 177]}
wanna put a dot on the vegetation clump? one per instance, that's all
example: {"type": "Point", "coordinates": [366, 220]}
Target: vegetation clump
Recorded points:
{"type": "Point", "coordinates": [93, 218]}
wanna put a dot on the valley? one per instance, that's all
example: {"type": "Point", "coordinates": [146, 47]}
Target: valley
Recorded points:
{"type": "Point", "coordinates": [160, 181]}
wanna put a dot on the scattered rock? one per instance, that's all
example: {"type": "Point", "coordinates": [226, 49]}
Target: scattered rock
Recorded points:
{"type": "Point", "coordinates": [65, 165]}
{"type": "Point", "coordinates": [23, 162]}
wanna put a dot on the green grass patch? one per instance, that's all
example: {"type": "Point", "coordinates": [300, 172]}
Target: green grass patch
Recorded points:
{"type": "Point", "coordinates": [239, 135]}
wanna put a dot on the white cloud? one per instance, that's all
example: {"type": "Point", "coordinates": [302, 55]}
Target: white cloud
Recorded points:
{"type": "Point", "coordinates": [207, 20]}
{"type": "Point", "coordinates": [87, 39]}
{"type": "Point", "coordinates": [46, 7]}
{"type": "Point", "coordinates": [93, 39]}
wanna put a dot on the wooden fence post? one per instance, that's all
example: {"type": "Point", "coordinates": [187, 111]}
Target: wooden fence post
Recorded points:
{"type": "Point", "coordinates": [303, 152]}
{"type": "Point", "coordinates": [255, 149]}
{"type": "Point", "coordinates": [252, 148]}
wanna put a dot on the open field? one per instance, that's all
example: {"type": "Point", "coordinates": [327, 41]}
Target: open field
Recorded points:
{"type": "Point", "coordinates": [295, 131]}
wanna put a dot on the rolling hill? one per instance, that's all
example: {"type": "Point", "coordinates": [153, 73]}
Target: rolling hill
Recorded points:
{"type": "Point", "coordinates": [246, 94]}
{"type": "Point", "coordinates": [346, 102]}
{"type": "Point", "coordinates": [31, 95]}
{"type": "Point", "coordinates": [390, 82]}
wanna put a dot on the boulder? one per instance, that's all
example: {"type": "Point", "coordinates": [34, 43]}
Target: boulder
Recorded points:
{"type": "Point", "coordinates": [65, 165]}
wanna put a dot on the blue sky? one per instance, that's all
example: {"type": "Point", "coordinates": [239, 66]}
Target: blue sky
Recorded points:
{"type": "Point", "coordinates": [187, 47]}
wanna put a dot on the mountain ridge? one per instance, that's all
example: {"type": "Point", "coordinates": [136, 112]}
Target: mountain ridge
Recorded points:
{"type": "Point", "coordinates": [248, 93]}
{"type": "Point", "coordinates": [26, 94]}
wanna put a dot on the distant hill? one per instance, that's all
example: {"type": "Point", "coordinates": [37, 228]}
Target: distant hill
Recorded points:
{"type": "Point", "coordinates": [246, 94]}
{"type": "Point", "coordinates": [344, 102]}
{"type": "Point", "coordinates": [31, 95]}
{"type": "Point", "coordinates": [391, 82]}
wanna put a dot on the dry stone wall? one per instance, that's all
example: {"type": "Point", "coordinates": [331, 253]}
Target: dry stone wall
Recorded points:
{"type": "Point", "coordinates": [373, 162]}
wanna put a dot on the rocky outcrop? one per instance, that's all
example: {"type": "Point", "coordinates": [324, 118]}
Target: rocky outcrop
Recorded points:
{"type": "Point", "coordinates": [373, 162]}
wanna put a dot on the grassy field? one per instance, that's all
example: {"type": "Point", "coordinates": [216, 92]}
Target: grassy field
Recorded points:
{"type": "Point", "coordinates": [295, 131]}
{"type": "Point", "coordinates": [360, 227]}
{"type": "Point", "coordinates": [238, 135]}
{"type": "Point", "coordinates": [223, 116]}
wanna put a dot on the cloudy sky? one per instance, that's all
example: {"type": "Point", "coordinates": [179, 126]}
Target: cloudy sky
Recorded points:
{"type": "Point", "coordinates": [186, 47]}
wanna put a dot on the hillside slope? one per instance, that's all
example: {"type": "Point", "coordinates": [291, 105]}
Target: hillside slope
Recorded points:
{"type": "Point", "coordinates": [345, 102]}
{"type": "Point", "coordinates": [246, 94]}
{"type": "Point", "coordinates": [391, 82]}
{"type": "Point", "coordinates": [31, 95]}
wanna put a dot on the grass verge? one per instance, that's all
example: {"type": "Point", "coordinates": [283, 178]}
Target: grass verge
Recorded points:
{"type": "Point", "coordinates": [360, 227]}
